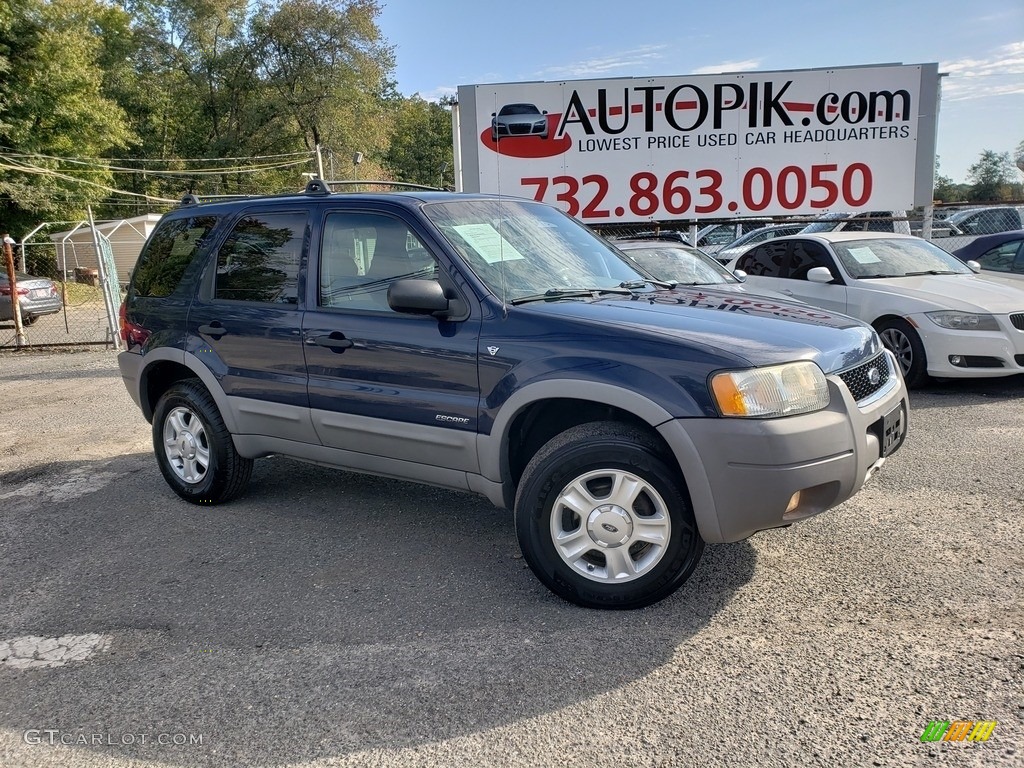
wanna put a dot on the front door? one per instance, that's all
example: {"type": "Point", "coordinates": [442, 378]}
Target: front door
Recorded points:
{"type": "Point", "coordinates": [803, 256]}
{"type": "Point", "coordinates": [381, 383]}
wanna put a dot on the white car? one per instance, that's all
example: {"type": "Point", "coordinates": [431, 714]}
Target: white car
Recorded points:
{"type": "Point", "coordinates": [937, 316]}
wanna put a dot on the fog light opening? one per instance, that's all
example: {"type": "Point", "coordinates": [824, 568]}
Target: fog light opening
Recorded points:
{"type": "Point", "coordinates": [957, 360]}
{"type": "Point", "coordinates": [794, 502]}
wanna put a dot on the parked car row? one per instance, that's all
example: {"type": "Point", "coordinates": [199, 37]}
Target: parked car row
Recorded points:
{"type": "Point", "coordinates": [941, 315]}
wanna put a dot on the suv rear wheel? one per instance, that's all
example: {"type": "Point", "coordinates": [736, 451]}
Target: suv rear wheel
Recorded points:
{"type": "Point", "coordinates": [602, 521]}
{"type": "Point", "coordinates": [194, 448]}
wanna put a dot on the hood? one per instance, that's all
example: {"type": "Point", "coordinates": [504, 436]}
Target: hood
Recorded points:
{"type": "Point", "coordinates": [756, 329]}
{"type": "Point", "coordinates": [967, 293]}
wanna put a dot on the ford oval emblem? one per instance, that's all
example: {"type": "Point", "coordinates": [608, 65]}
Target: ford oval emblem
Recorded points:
{"type": "Point", "coordinates": [609, 527]}
{"type": "Point", "coordinates": [874, 376]}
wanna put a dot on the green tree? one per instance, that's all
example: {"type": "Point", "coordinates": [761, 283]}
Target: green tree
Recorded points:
{"type": "Point", "coordinates": [944, 189]}
{"type": "Point", "coordinates": [990, 176]}
{"type": "Point", "coordinates": [421, 143]}
{"type": "Point", "coordinates": [1018, 157]}
{"type": "Point", "coordinates": [52, 106]}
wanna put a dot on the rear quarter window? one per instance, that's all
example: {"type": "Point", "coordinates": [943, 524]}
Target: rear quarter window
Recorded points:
{"type": "Point", "coordinates": [170, 249]}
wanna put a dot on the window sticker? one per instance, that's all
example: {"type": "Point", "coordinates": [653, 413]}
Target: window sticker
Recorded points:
{"type": "Point", "coordinates": [488, 242]}
{"type": "Point", "coordinates": [864, 256]}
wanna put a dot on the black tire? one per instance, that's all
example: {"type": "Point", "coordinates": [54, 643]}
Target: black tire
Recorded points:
{"type": "Point", "coordinates": [27, 320]}
{"type": "Point", "coordinates": [214, 472]}
{"type": "Point", "coordinates": [904, 342]}
{"type": "Point", "coordinates": [596, 458]}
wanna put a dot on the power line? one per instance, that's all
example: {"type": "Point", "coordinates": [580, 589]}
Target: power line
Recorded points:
{"type": "Point", "coordinates": [163, 173]}
{"type": "Point", "coordinates": [306, 153]}
{"type": "Point", "coordinates": [48, 172]}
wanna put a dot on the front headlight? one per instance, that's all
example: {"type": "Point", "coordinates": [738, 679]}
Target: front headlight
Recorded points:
{"type": "Point", "coordinates": [963, 321]}
{"type": "Point", "coordinates": [777, 390]}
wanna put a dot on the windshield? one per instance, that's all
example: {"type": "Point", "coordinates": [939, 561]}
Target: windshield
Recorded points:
{"type": "Point", "coordinates": [519, 109]}
{"type": "Point", "coordinates": [680, 264]}
{"type": "Point", "coordinates": [896, 258]}
{"type": "Point", "coordinates": [519, 248]}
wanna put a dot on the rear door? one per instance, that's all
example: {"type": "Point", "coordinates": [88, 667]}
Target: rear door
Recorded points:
{"type": "Point", "coordinates": [246, 322]}
{"type": "Point", "coordinates": [383, 385]}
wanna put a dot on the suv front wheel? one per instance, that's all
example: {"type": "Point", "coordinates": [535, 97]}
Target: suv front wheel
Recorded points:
{"type": "Point", "coordinates": [602, 521]}
{"type": "Point", "coordinates": [194, 448]}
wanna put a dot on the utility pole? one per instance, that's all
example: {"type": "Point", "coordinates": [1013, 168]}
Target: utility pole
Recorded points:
{"type": "Point", "coordinates": [12, 279]}
{"type": "Point", "coordinates": [319, 163]}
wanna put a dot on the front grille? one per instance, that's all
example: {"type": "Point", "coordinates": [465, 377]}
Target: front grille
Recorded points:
{"type": "Point", "coordinates": [1019, 359]}
{"type": "Point", "coordinates": [1018, 321]}
{"type": "Point", "coordinates": [517, 128]}
{"type": "Point", "coordinates": [859, 380]}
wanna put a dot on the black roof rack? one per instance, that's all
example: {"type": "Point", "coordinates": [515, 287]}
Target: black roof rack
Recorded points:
{"type": "Point", "coordinates": [193, 199]}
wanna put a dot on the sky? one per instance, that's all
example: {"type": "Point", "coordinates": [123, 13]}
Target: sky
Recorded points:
{"type": "Point", "coordinates": [979, 46]}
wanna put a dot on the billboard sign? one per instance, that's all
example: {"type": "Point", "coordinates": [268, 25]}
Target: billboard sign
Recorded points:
{"type": "Point", "coordinates": [707, 146]}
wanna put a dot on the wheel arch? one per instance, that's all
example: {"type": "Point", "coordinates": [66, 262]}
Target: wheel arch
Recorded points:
{"type": "Point", "coordinates": [887, 317]}
{"type": "Point", "coordinates": [539, 411]}
{"type": "Point", "coordinates": [160, 374]}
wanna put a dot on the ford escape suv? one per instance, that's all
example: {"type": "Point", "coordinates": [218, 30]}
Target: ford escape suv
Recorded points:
{"type": "Point", "coordinates": [496, 345]}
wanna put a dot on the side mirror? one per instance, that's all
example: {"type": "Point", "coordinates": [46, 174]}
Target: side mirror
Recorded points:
{"type": "Point", "coordinates": [820, 275]}
{"type": "Point", "coordinates": [494, 114]}
{"type": "Point", "coordinates": [418, 297]}
{"type": "Point", "coordinates": [974, 266]}
{"type": "Point", "coordinates": [740, 275]}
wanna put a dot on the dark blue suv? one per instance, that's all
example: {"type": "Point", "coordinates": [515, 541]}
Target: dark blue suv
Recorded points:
{"type": "Point", "coordinates": [496, 345]}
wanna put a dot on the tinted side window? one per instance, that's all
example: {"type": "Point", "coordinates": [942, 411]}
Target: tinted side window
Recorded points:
{"type": "Point", "coordinates": [260, 259]}
{"type": "Point", "coordinates": [804, 257]}
{"type": "Point", "coordinates": [361, 254]}
{"type": "Point", "coordinates": [765, 260]}
{"type": "Point", "coordinates": [168, 252]}
{"type": "Point", "coordinates": [1000, 258]}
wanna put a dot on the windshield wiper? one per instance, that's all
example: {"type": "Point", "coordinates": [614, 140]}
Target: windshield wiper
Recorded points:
{"type": "Point", "coordinates": [570, 293]}
{"type": "Point", "coordinates": [876, 277]}
{"type": "Point", "coordinates": [932, 272]}
{"type": "Point", "coordinates": [631, 284]}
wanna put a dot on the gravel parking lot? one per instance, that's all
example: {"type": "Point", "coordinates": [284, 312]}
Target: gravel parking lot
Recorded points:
{"type": "Point", "coordinates": [329, 618]}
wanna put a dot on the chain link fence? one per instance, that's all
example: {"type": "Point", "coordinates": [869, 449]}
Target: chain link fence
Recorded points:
{"type": "Point", "coordinates": [69, 293]}
{"type": "Point", "coordinates": [951, 227]}
{"type": "Point", "coordinates": [74, 311]}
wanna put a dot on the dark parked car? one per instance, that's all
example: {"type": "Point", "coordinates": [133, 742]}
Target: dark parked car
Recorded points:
{"type": "Point", "coordinates": [519, 120]}
{"type": "Point", "coordinates": [983, 221]}
{"type": "Point", "coordinates": [496, 345]}
{"type": "Point", "coordinates": [36, 295]}
{"type": "Point", "coordinates": [1001, 254]}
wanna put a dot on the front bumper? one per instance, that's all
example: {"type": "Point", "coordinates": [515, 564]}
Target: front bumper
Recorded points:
{"type": "Point", "coordinates": [742, 474]}
{"type": "Point", "coordinates": [982, 353]}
